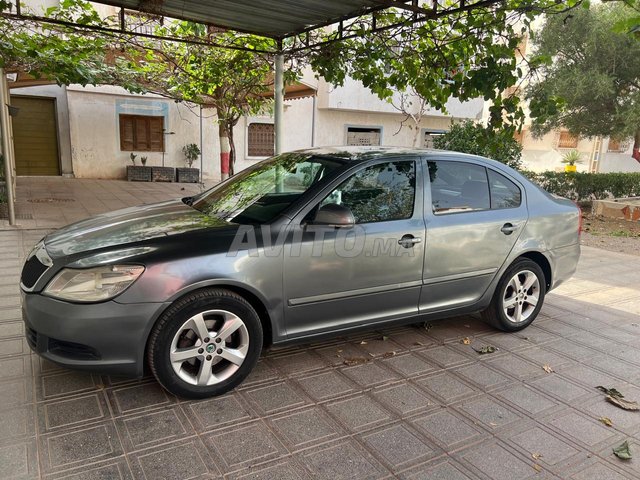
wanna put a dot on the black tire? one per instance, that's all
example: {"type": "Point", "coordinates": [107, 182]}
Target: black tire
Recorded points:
{"type": "Point", "coordinates": [495, 314]}
{"type": "Point", "coordinates": [174, 319]}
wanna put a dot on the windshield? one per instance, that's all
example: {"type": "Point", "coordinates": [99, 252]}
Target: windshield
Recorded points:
{"type": "Point", "coordinates": [260, 193]}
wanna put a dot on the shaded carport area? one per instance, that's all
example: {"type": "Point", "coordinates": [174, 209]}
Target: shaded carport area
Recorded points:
{"type": "Point", "coordinates": [411, 402]}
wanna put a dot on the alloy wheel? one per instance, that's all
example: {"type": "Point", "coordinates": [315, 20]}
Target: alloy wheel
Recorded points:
{"type": "Point", "coordinates": [521, 296]}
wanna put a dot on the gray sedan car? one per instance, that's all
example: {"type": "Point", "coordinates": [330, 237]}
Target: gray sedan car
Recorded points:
{"type": "Point", "coordinates": [303, 245]}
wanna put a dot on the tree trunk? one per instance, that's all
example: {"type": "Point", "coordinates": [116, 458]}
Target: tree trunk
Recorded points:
{"type": "Point", "coordinates": [636, 146]}
{"type": "Point", "coordinates": [232, 149]}
{"type": "Point", "coordinates": [225, 149]}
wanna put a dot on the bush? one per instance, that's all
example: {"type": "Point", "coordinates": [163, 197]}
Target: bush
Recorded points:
{"type": "Point", "coordinates": [473, 138]}
{"type": "Point", "coordinates": [588, 186]}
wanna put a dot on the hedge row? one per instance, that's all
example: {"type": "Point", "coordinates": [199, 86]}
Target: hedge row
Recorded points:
{"type": "Point", "coordinates": [588, 186]}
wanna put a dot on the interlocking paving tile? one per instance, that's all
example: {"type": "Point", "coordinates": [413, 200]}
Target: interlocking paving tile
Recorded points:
{"type": "Point", "coordinates": [344, 461]}
{"type": "Point", "coordinates": [326, 385]}
{"type": "Point", "coordinates": [526, 399]}
{"type": "Point", "coordinates": [438, 470]}
{"type": "Point", "coordinates": [336, 354]}
{"type": "Point", "coordinates": [404, 399]}
{"type": "Point", "coordinates": [260, 374]}
{"type": "Point", "coordinates": [489, 412]}
{"type": "Point", "coordinates": [515, 366]}
{"type": "Point", "coordinates": [68, 448]}
{"type": "Point", "coordinates": [411, 338]}
{"type": "Point", "coordinates": [248, 445]}
{"type": "Point", "coordinates": [217, 412]}
{"type": "Point", "coordinates": [74, 411]}
{"type": "Point", "coordinates": [584, 430]}
{"type": "Point", "coordinates": [13, 367]}
{"type": "Point", "coordinates": [398, 446]}
{"type": "Point", "coordinates": [623, 420]}
{"type": "Point", "coordinates": [536, 441]}
{"type": "Point", "coordinates": [544, 356]}
{"type": "Point", "coordinates": [186, 459]}
{"type": "Point", "coordinates": [598, 471]}
{"type": "Point", "coordinates": [306, 427]}
{"type": "Point", "coordinates": [370, 374]}
{"type": "Point", "coordinates": [275, 398]}
{"type": "Point", "coordinates": [588, 376]}
{"type": "Point", "coordinates": [18, 461]}
{"type": "Point", "coordinates": [447, 429]}
{"type": "Point", "coordinates": [153, 428]}
{"type": "Point", "coordinates": [483, 376]}
{"type": "Point", "coordinates": [287, 469]}
{"type": "Point", "coordinates": [572, 350]}
{"type": "Point", "coordinates": [13, 346]}
{"type": "Point", "coordinates": [560, 388]}
{"type": "Point", "coordinates": [408, 364]}
{"type": "Point", "coordinates": [445, 356]}
{"type": "Point", "coordinates": [298, 363]}
{"type": "Point", "coordinates": [358, 413]}
{"type": "Point", "coordinates": [115, 469]}
{"type": "Point", "coordinates": [616, 367]}
{"type": "Point", "coordinates": [138, 397]}
{"type": "Point", "coordinates": [497, 463]}
{"type": "Point", "coordinates": [446, 387]}
{"type": "Point", "coordinates": [17, 422]}
{"type": "Point", "coordinates": [66, 383]}
{"type": "Point", "coordinates": [16, 392]}
{"type": "Point", "coordinates": [378, 347]}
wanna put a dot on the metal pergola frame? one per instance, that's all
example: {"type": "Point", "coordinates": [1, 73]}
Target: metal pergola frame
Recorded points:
{"type": "Point", "coordinates": [300, 19]}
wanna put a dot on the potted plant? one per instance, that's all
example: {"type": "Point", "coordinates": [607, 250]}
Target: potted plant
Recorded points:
{"type": "Point", "coordinates": [570, 159]}
{"type": "Point", "coordinates": [188, 174]}
{"type": "Point", "coordinates": [138, 173]}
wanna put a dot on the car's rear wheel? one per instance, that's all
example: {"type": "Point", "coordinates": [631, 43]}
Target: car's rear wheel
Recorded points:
{"type": "Point", "coordinates": [205, 344]}
{"type": "Point", "coordinates": [518, 297]}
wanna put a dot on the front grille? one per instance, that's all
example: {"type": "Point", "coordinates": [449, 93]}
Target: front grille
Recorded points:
{"type": "Point", "coordinates": [73, 350]}
{"type": "Point", "coordinates": [32, 337]}
{"type": "Point", "coordinates": [32, 271]}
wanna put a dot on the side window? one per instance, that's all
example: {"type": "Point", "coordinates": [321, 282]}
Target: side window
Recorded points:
{"type": "Point", "coordinates": [378, 193]}
{"type": "Point", "coordinates": [504, 193]}
{"type": "Point", "coordinates": [458, 187]}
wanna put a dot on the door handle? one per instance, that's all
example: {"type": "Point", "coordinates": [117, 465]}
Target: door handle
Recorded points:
{"type": "Point", "coordinates": [408, 241]}
{"type": "Point", "coordinates": [509, 228]}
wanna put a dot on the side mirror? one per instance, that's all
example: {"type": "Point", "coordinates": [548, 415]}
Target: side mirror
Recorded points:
{"type": "Point", "coordinates": [334, 215]}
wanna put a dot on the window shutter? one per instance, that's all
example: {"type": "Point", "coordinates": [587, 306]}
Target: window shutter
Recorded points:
{"type": "Point", "coordinates": [142, 133]}
{"type": "Point", "coordinates": [126, 133]}
{"type": "Point", "coordinates": [156, 134]}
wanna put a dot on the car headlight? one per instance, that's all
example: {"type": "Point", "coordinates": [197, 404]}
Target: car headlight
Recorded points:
{"type": "Point", "coordinates": [92, 284]}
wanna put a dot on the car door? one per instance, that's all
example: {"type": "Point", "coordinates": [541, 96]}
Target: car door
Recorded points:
{"type": "Point", "coordinates": [372, 271]}
{"type": "Point", "coordinates": [474, 215]}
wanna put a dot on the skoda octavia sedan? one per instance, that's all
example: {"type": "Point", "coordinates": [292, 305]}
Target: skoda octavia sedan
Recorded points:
{"type": "Point", "coordinates": [303, 245]}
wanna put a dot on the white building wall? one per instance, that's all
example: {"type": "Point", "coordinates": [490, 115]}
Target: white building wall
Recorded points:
{"type": "Point", "coordinates": [95, 135]}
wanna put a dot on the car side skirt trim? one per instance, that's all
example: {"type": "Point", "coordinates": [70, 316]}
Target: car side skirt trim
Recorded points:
{"type": "Point", "coordinates": [293, 302]}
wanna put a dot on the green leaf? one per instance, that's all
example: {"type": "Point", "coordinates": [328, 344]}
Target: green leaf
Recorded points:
{"type": "Point", "coordinates": [623, 451]}
{"type": "Point", "coordinates": [485, 350]}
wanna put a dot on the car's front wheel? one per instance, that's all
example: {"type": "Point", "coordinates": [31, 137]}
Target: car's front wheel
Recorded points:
{"type": "Point", "coordinates": [205, 344]}
{"type": "Point", "coordinates": [518, 297]}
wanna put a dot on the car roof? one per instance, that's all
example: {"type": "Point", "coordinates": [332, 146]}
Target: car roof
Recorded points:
{"type": "Point", "coordinates": [363, 153]}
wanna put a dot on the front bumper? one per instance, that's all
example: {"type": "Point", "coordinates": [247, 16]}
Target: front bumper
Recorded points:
{"type": "Point", "coordinates": [107, 337]}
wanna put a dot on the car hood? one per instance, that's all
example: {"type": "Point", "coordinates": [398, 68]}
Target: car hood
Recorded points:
{"type": "Point", "coordinates": [127, 226]}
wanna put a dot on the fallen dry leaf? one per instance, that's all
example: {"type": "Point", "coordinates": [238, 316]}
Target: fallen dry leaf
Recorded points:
{"type": "Point", "coordinates": [536, 456]}
{"type": "Point", "coordinates": [466, 341]}
{"type": "Point", "coordinates": [623, 451]}
{"type": "Point", "coordinates": [537, 467]}
{"type": "Point", "coordinates": [363, 342]}
{"type": "Point", "coordinates": [607, 421]}
{"type": "Point", "coordinates": [351, 361]}
{"type": "Point", "coordinates": [610, 391]}
{"type": "Point", "coordinates": [622, 403]}
{"type": "Point", "coordinates": [418, 344]}
{"type": "Point", "coordinates": [389, 355]}
{"type": "Point", "coordinates": [547, 368]}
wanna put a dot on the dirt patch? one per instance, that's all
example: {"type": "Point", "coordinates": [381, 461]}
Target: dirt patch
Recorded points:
{"type": "Point", "coordinates": [611, 234]}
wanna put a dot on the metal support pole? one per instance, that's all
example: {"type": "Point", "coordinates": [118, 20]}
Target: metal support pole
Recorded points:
{"type": "Point", "coordinates": [7, 149]}
{"type": "Point", "coordinates": [278, 112]}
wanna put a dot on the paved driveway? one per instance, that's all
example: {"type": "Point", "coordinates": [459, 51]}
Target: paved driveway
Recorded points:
{"type": "Point", "coordinates": [410, 402]}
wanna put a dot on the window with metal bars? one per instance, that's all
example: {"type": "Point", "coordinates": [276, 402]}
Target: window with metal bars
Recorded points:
{"type": "Point", "coordinates": [260, 140]}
